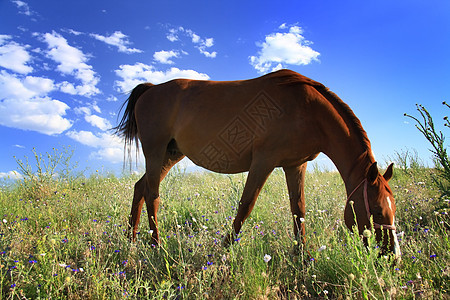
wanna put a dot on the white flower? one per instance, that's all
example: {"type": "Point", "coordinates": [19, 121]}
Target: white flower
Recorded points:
{"type": "Point", "coordinates": [367, 233]}
{"type": "Point", "coordinates": [4, 221]}
{"type": "Point", "coordinates": [322, 248]}
{"type": "Point", "coordinates": [267, 258]}
{"type": "Point", "coordinates": [302, 220]}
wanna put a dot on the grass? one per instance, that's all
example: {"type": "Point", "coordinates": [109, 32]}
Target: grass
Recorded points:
{"type": "Point", "coordinates": [69, 242]}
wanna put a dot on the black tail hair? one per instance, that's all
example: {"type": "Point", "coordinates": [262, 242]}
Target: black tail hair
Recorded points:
{"type": "Point", "coordinates": [127, 127]}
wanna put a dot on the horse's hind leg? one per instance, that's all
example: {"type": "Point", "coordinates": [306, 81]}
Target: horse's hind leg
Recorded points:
{"type": "Point", "coordinates": [136, 207]}
{"type": "Point", "coordinates": [295, 178]}
{"type": "Point", "coordinates": [157, 167]}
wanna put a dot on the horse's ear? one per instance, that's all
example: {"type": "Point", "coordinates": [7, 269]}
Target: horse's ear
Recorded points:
{"type": "Point", "coordinates": [389, 171]}
{"type": "Point", "coordinates": [372, 175]}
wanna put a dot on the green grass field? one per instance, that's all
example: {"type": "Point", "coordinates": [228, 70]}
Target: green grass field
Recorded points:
{"type": "Point", "coordinates": [64, 238]}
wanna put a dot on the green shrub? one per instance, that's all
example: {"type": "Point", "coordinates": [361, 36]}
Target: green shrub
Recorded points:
{"type": "Point", "coordinates": [426, 126]}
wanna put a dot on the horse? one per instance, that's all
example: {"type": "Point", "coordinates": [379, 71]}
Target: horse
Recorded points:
{"type": "Point", "coordinates": [282, 119]}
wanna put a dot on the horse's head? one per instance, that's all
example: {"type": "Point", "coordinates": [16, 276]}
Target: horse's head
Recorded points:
{"type": "Point", "coordinates": [373, 198]}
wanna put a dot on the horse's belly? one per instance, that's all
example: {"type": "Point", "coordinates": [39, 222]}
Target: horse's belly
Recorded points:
{"type": "Point", "coordinates": [219, 156]}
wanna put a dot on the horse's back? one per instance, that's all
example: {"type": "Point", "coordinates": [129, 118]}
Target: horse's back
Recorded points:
{"type": "Point", "coordinates": [220, 125]}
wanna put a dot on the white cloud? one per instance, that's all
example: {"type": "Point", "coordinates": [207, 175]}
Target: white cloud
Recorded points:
{"type": "Point", "coordinates": [23, 7]}
{"type": "Point", "coordinates": [98, 122]}
{"type": "Point", "coordinates": [132, 75]}
{"type": "Point", "coordinates": [92, 119]}
{"type": "Point", "coordinates": [200, 43]}
{"type": "Point", "coordinates": [282, 48]}
{"type": "Point", "coordinates": [25, 105]}
{"type": "Point", "coordinates": [11, 175]}
{"type": "Point", "coordinates": [71, 61]}
{"type": "Point", "coordinates": [112, 98]}
{"type": "Point", "coordinates": [110, 147]}
{"type": "Point", "coordinates": [165, 56]}
{"type": "Point", "coordinates": [14, 56]}
{"type": "Point", "coordinates": [117, 39]}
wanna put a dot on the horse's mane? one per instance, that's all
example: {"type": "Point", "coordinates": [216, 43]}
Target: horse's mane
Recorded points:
{"type": "Point", "coordinates": [291, 77]}
{"type": "Point", "coordinates": [346, 112]}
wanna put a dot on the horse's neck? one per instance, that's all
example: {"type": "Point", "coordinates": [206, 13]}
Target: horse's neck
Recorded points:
{"type": "Point", "coordinates": [351, 157]}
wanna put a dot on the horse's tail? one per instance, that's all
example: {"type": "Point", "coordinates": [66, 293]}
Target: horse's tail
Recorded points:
{"type": "Point", "coordinates": [127, 127]}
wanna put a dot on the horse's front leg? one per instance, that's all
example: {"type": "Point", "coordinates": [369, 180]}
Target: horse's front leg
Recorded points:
{"type": "Point", "coordinates": [295, 178]}
{"type": "Point", "coordinates": [257, 176]}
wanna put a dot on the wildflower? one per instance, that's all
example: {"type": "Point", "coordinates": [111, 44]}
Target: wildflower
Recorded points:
{"type": "Point", "coordinates": [367, 233]}
{"type": "Point", "coordinates": [351, 202]}
{"type": "Point", "coordinates": [325, 292]}
{"type": "Point", "coordinates": [302, 220]}
{"type": "Point", "coordinates": [351, 276]}
{"type": "Point", "coordinates": [116, 251]}
{"type": "Point", "coordinates": [5, 221]}
{"type": "Point", "coordinates": [267, 258]}
{"type": "Point", "coordinates": [433, 255]}
{"type": "Point", "coordinates": [13, 285]}
{"type": "Point", "coordinates": [322, 248]}
{"type": "Point", "coordinates": [209, 263]}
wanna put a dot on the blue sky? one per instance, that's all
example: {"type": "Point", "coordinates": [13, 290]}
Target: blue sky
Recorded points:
{"type": "Point", "coordinates": [66, 66]}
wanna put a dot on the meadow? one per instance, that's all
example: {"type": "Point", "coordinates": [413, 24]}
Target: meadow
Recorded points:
{"type": "Point", "coordinates": [64, 237]}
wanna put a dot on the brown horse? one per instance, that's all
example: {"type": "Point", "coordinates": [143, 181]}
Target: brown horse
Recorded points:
{"type": "Point", "coordinates": [282, 119]}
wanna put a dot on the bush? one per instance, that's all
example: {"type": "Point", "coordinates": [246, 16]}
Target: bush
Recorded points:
{"type": "Point", "coordinates": [50, 170]}
{"type": "Point", "coordinates": [439, 150]}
